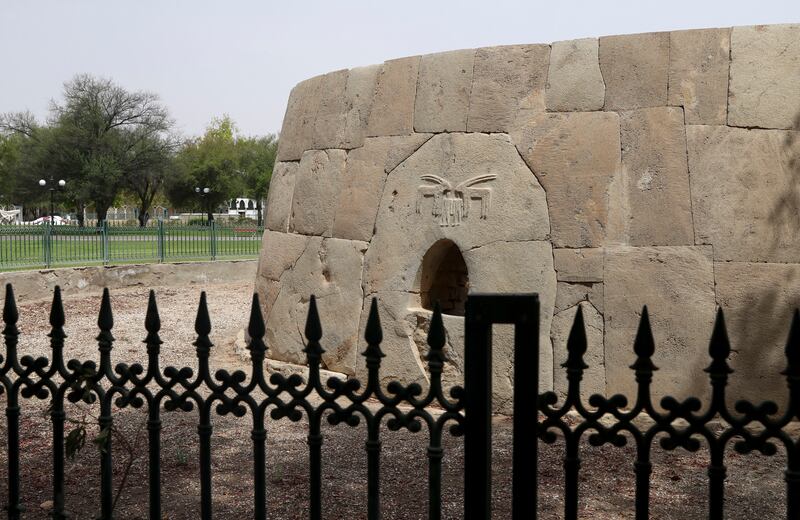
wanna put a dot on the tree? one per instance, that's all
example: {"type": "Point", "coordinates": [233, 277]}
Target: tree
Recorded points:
{"type": "Point", "coordinates": [209, 162]}
{"type": "Point", "coordinates": [10, 147]}
{"type": "Point", "coordinates": [256, 157]}
{"type": "Point", "coordinates": [102, 138]}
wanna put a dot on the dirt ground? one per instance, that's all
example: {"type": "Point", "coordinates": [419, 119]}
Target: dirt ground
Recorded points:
{"type": "Point", "coordinates": [755, 487]}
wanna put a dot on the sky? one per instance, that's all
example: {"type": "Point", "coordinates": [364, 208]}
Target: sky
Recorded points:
{"type": "Point", "coordinates": [242, 57]}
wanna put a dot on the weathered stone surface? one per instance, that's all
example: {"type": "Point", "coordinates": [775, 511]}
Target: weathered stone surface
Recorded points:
{"type": "Point", "coordinates": [699, 62]}
{"type": "Point", "coordinates": [569, 294]}
{"type": "Point", "coordinates": [574, 156]}
{"type": "Point", "coordinates": [635, 70]}
{"type": "Point", "coordinates": [579, 265]}
{"type": "Point", "coordinates": [281, 190]}
{"type": "Point", "coordinates": [506, 81]}
{"type": "Point", "coordinates": [315, 191]}
{"type": "Point", "coordinates": [510, 207]}
{"type": "Point", "coordinates": [298, 121]}
{"type": "Point", "coordinates": [654, 164]}
{"type": "Point", "coordinates": [759, 301]}
{"type": "Point", "coordinates": [393, 106]}
{"type": "Point", "coordinates": [330, 269]}
{"type": "Point", "coordinates": [594, 378]}
{"type": "Point", "coordinates": [443, 88]}
{"type": "Point", "coordinates": [363, 181]}
{"type": "Point", "coordinates": [279, 252]}
{"type": "Point", "coordinates": [744, 193]}
{"type": "Point", "coordinates": [330, 115]}
{"type": "Point", "coordinates": [358, 96]}
{"type": "Point", "coordinates": [575, 82]}
{"type": "Point", "coordinates": [765, 76]}
{"type": "Point", "coordinates": [677, 285]}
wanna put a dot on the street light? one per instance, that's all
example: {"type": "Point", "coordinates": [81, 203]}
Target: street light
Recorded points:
{"type": "Point", "coordinates": [61, 184]}
{"type": "Point", "coordinates": [202, 192]}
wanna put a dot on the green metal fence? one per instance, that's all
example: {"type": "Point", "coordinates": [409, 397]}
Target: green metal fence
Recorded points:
{"type": "Point", "coordinates": [27, 246]}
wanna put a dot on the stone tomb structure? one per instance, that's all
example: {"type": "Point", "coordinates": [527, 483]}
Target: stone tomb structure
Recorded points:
{"type": "Point", "coordinates": [609, 173]}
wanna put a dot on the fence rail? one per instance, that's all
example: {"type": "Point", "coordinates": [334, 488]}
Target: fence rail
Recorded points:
{"type": "Point", "coordinates": [27, 246]}
{"type": "Point", "coordinates": [683, 424]}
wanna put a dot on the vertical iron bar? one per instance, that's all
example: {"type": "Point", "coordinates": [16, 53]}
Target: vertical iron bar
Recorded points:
{"type": "Point", "coordinates": [259, 436]}
{"type": "Point", "coordinates": [526, 417]}
{"type": "Point", "coordinates": [58, 416]}
{"type": "Point", "coordinates": [373, 446]}
{"type": "Point", "coordinates": [106, 476]}
{"type": "Point", "coordinates": [435, 453]}
{"type": "Point", "coordinates": [792, 477]}
{"type": "Point", "coordinates": [154, 467]}
{"type": "Point", "coordinates": [478, 414]}
{"type": "Point", "coordinates": [204, 430]}
{"type": "Point", "coordinates": [572, 466]}
{"type": "Point", "coordinates": [12, 413]}
{"type": "Point", "coordinates": [315, 470]}
{"type": "Point", "coordinates": [716, 482]}
{"type": "Point", "coordinates": [643, 468]}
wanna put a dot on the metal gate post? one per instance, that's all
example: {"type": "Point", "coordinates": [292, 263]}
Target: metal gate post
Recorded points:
{"type": "Point", "coordinates": [482, 311]}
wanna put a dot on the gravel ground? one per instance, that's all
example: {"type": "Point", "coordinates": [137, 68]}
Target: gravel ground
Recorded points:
{"type": "Point", "coordinates": [755, 486]}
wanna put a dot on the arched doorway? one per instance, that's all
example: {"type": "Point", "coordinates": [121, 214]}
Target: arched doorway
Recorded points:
{"type": "Point", "coordinates": [444, 278]}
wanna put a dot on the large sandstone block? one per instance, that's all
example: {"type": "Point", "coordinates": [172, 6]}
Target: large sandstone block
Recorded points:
{"type": "Point", "coordinates": [358, 97]}
{"type": "Point", "coordinates": [654, 162]}
{"type": "Point", "coordinates": [594, 377]}
{"type": "Point", "coordinates": [316, 187]}
{"type": "Point", "coordinates": [765, 76]}
{"type": "Point", "coordinates": [744, 193]}
{"type": "Point", "coordinates": [569, 294]}
{"type": "Point", "coordinates": [330, 269]}
{"type": "Point", "coordinates": [575, 156]}
{"type": "Point", "coordinates": [579, 265]}
{"type": "Point", "coordinates": [635, 70]}
{"type": "Point", "coordinates": [677, 285]}
{"type": "Point", "coordinates": [330, 115]}
{"type": "Point", "coordinates": [392, 110]}
{"type": "Point", "coordinates": [279, 201]}
{"type": "Point", "coordinates": [298, 121]}
{"type": "Point", "coordinates": [279, 253]}
{"type": "Point", "coordinates": [759, 301]}
{"type": "Point", "coordinates": [574, 82]}
{"type": "Point", "coordinates": [506, 80]}
{"type": "Point", "coordinates": [361, 185]}
{"type": "Point", "coordinates": [472, 189]}
{"type": "Point", "coordinates": [699, 62]}
{"type": "Point", "coordinates": [443, 88]}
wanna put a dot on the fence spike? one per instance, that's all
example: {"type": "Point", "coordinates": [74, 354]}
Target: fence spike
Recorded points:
{"type": "Point", "coordinates": [719, 348]}
{"type": "Point", "coordinates": [793, 348]}
{"type": "Point", "coordinates": [256, 329]}
{"type": "Point", "coordinates": [373, 333]}
{"type": "Point", "coordinates": [576, 344]}
{"type": "Point", "coordinates": [202, 323]}
{"type": "Point", "coordinates": [644, 346]}
{"type": "Point", "coordinates": [105, 320]}
{"type": "Point", "coordinates": [57, 310]}
{"type": "Point", "coordinates": [152, 321]}
{"type": "Point", "coordinates": [10, 312]}
{"type": "Point", "coordinates": [436, 338]}
{"type": "Point", "coordinates": [313, 329]}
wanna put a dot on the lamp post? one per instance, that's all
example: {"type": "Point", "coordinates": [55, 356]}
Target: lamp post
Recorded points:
{"type": "Point", "coordinates": [202, 192]}
{"type": "Point", "coordinates": [52, 188]}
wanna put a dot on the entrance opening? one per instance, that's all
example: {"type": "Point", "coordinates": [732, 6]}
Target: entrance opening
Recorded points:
{"type": "Point", "coordinates": [444, 278]}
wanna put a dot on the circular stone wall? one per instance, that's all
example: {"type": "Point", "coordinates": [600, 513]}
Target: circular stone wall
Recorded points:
{"type": "Point", "coordinates": [609, 173]}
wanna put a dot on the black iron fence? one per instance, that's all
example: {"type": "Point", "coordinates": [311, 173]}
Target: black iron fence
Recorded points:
{"type": "Point", "coordinates": [461, 411]}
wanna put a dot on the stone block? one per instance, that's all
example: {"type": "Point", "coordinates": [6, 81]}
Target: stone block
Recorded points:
{"type": "Point", "coordinates": [575, 156]}
{"type": "Point", "coordinates": [677, 285]}
{"type": "Point", "coordinates": [506, 81]}
{"type": "Point", "coordinates": [298, 121]}
{"type": "Point", "coordinates": [393, 106]}
{"type": "Point", "coordinates": [594, 377]}
{"type": "Point", "coordinates": [759, 300]}
{"type": "Point", "coordinates": [358, 96]}
{"type": "Point", "coordinates": [361, 185]}
{"type": "Point", "coordinates": [635, 70]}
{"type": "Point", "coordinates": [569, 294]}
{"type": "Point", "coordinates": [472, 189]}
{"type": "Point", "coordinates": [744, 193]}
{"type": "Point", "coordinates": [574, 82]}
{"type": "Point", "coordinates": [765, 76]}
{"type": "Point", "coordinates": [699, 63]}
{"type": "Point", "coordinates": [579, 265]}
{"type": "Point", "coordinates": [656, 171]}
{"type": "Point", "coordinates": [330, 115]}
{"type": "Point", "coordinates": [279, 201]}
{"type": "Point", "coordinates": [279, 252]}
{"type": "Point", "coordinates": [316, 187]}
{"type": "Point", "coordinates": [443, 87]}
{"type": "Point", "coordinates": [330, 269]}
